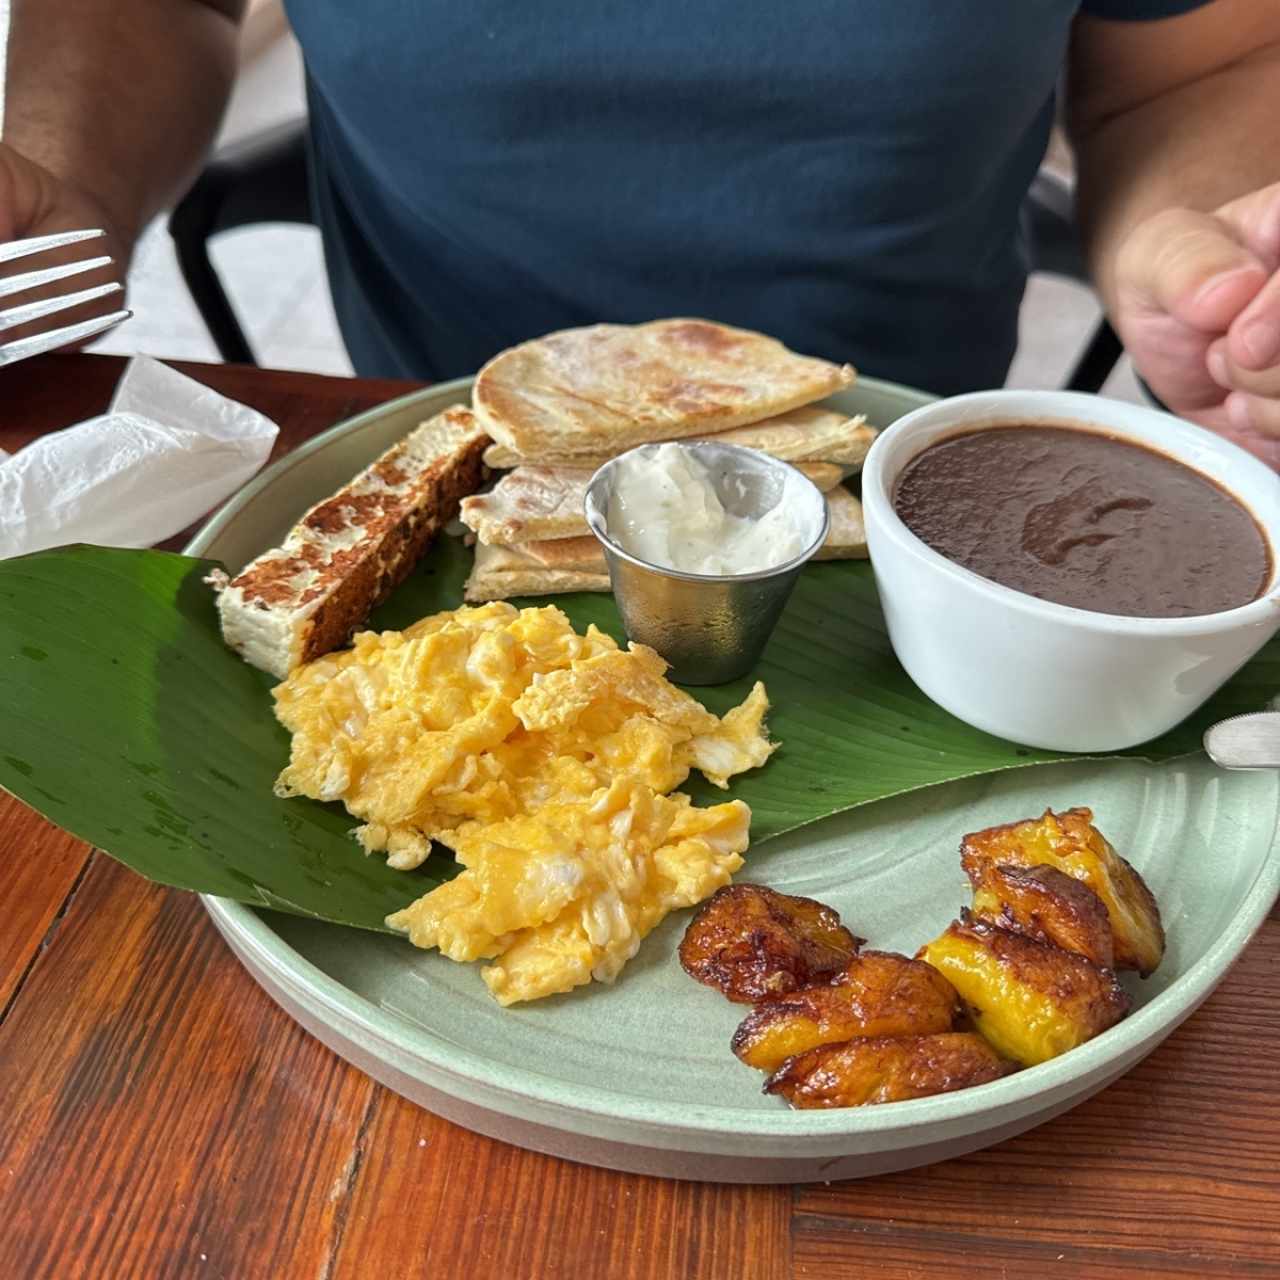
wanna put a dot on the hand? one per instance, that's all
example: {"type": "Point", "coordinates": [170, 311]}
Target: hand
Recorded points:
{"type": "Point", "coordinates": [1198, 308]}
{"type": "Point", "coordinates": [33, 202]}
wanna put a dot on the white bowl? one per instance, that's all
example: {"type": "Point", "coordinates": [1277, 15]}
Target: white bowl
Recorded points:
{"type": "Point", "coordinates": [1044, 674]}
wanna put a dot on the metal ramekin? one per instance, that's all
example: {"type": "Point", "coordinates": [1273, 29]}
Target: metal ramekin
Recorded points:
{"type": "Point", "coordinates": [711, 628]}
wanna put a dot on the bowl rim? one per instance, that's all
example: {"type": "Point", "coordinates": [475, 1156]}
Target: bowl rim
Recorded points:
{"type": "Point", "coordinates": [599, 525]}
{"type": "Point", "coordinates": [1068, 409]}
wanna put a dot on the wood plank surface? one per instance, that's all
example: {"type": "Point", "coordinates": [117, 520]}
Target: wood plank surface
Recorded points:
{"type": "Point", "coordinates": [40, 866]}
{"type": "Point", "coordinates": [516, 1213]}
{"type": "Point", "coordinates": [160, 1117]}
{"type": "Point", "coordinates": [1170, 1172]}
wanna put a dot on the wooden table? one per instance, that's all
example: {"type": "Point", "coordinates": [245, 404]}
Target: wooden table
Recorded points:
{"type": "Point", "coordinates": [160, 1117]}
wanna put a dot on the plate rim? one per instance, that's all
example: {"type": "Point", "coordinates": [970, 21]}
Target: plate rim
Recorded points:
{"type": "Point", "coordinates": [1140, 1032]}
{"type": "Point", "coordinates": [1149, 1024]}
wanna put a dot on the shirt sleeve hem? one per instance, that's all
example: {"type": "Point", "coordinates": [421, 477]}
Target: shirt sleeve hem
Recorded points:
{"type": "Point", "coordinates": [1139, 10]}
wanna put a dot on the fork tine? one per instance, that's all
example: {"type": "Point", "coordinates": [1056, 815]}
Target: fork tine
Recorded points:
{"type": "Point", "coordinates": [34, 279]}
{"type": "Point", "coordinates": [42, 342]}
{"type": "Point", "coordinates": [28, 311]}
{"type": "Point", "coordinates": [42, 244]}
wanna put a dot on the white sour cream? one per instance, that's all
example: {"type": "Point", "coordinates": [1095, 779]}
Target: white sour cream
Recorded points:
{"type": "Point", "coordinates": [665, 510]}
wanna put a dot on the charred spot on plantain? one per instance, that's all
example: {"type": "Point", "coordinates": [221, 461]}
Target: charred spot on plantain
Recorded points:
{"type": "Point", "coordinates": [749, 942]}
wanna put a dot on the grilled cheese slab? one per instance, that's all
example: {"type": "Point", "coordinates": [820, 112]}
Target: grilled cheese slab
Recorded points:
{"type": "Point", "coordinates": [345, 556]}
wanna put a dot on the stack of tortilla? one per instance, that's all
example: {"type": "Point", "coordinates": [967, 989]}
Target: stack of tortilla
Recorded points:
{"type": "Point", "coordinates": [560, 407]}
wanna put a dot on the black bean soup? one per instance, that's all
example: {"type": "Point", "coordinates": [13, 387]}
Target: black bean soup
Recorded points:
{"type": "Point", "coordinates": [1085, 519]}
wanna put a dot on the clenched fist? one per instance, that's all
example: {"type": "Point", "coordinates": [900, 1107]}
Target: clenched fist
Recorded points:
{"type": "Point", "coordinates": [1197, 304]}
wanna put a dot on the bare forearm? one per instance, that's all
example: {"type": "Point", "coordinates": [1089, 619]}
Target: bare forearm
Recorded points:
{"type": "Point", "coordinates": [1197, 147]}
{"type": "Point", "coordinates": [120, 99]}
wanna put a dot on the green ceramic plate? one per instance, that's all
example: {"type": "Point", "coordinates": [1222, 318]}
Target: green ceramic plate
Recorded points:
{"type": "Point", "coordinates": [639, 1075]}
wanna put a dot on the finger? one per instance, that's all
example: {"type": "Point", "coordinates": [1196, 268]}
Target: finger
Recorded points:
{"type": "Point", "coordinates": [1229, 374]}
{"type": "Point", "coordinates": [1255, 220]}
{"type": "Point", "coordinates": [23, 193]}
{"type": "Point", "coordinates": [1171, 357]}
{"type": "Point", "coordinates": [1251, 415]}
{"type": "Point", "coordinates": [1191, 266]}
{"type": "Point", "coordinates": [1254, 336]}
{"type": "Point", "coordinates": [1261, 446]}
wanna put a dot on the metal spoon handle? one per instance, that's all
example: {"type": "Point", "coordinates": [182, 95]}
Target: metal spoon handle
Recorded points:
{"type": "Point", "coordinates": [1245, 742]}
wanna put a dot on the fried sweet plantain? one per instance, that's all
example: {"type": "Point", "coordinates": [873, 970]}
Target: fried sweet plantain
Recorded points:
{"type": "Point", "coordinates": [1030, 1000]}
{"type": "Point", "coordinates": [750, 942]}
{"type": "Point", "coordinates": [879, 994]}
{"type": "Point", "coordinates": [1070, 842]}
{"type": "Point", "coordinates": [886, 1069]}
{"type": "Point", "coordinates": [1046, 904]}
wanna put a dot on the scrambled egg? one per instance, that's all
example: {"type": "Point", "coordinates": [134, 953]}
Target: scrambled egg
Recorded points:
{"type": "Point", "coordinates": [544, 759]}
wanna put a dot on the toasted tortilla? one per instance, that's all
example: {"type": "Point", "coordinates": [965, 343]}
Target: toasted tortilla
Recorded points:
{"type": "Point", "coordinates": [530, 504]}
{"type": "Point", "coordinates": [539, 504]}
{"type": "Point", "coordinates": [825, 475]}
{"type": "Point", "coordinates": [808, 434]}
{"type": "Point", "coordinates": [847, 536]}
{"type": "Point", "coordinates": [578, 564]}
{"type": "Point", "coordinates": [599, 390]}
{"type": "Point", "coordinates": [502, 572]}
{"type": "Point", "coordinates": [569, 555]}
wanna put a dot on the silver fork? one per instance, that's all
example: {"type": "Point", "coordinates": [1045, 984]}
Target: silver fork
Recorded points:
{"type": "Point", "coordinates": [29, 311]}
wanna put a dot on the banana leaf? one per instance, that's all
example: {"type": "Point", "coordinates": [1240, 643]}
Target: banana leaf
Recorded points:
{"type": "Point", "coordinates": [125, 720]}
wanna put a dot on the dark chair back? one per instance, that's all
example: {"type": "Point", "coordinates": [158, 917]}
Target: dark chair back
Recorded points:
{"type": "Point", "coordinates": [263, 179]}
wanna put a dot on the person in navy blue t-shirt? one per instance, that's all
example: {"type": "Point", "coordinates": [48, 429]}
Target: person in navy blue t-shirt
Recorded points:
{"type": "Point", "coordinates": [843, 174]}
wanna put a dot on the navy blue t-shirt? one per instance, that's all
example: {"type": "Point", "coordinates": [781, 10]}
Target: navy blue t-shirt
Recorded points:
{"type": "Point", "coordinates": [843, 174]}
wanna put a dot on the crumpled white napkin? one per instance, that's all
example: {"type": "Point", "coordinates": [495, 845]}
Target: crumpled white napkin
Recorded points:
{"type": "Point", "coordinates": [167, 451]}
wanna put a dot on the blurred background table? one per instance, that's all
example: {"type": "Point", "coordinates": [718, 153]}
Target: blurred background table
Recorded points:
{"type": "Point", "coordinates": [160, 1117]}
